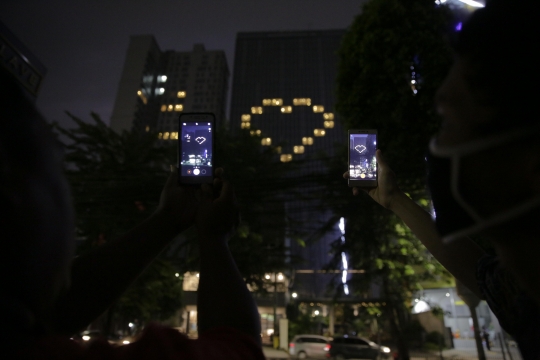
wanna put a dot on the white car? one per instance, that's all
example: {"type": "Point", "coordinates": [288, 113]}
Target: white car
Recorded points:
{"type": "Point", "coordinates": [310, 346]}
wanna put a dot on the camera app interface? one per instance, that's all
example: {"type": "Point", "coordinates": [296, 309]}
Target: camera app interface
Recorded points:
{"type": "Point", "coordinates": [363, 164]}
{"type": "Point", "coordinates": [196, 158]}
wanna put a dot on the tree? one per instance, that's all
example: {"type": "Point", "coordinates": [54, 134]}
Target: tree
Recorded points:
{"type": "Point", "coordinates": [392, 59]}
{"type": "Point", "coordinates": [116, 180]}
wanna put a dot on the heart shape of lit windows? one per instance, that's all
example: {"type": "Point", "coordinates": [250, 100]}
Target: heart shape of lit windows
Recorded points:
{"type": "Point", "coordinates": [327, 122]}
{"type": "Point", "coordinates": [200, 140]}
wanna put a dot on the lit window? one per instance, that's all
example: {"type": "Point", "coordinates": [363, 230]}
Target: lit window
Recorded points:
{"type": "Point", "coordinates": [255, 132]}
{"type": "Point", "coordinates": [163, 107]}
{"type": "Point", "coordinates": [285, 157]}
{"type": "Point", "coordinates": [166, 136]}
{"type": "Point", "coordinates": [266, 141]}
{"type": "Point", "coordinates": [328, 116]}
{"type": "Point", "coordinates": [160, 91]}
{"type": "Point", "coordinates": [147, 128]}
{"type": "Point", "coordinates": [277, 102]}
{"type": "Point", "coordinates": [160, 135]}
{"type": "Point", "coordinates": [174, 135]}
{"type": "Point", "coordinates": [178, 107]}
{"type": "Point", "coordinates": [278, 149]}
{"type": "Point", "coordinates": [302, 102]}
{"type": "Point", "coordinates": [181, 94]}
{"type": "Point", "coordinates": [246, 117]}
{"type": "Point", "coordinates": [319, 132]}
{"type": "Point", "coordinates": [257, 110]}
{"type": "Point", "coordinates": [318, 108]}
{"type": "Point", "coordinates": [307, 140]}
{"type": "Point", "coordinates": [246, 125]}
{"type": "Point", "coordinates": [170, 108]}
{"type": "Point", "coordinates": [286, 109]}
{"type": "Point", "coordinates": [139, 92]}
{"type": "Point", "coordinates": [162, 78]}
{"type": "Point", "coordinates": [299, 149]}
{"type": "Point", "coordinates": [329, 124]}
{"type": "Point", "coordinates": [267, 102]}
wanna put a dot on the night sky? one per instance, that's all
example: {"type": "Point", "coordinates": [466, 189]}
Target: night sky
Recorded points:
{"type": "Point", "coordinates": [82, 43]}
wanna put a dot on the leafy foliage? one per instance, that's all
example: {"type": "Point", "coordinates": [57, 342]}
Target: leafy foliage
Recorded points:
{"type": "Point", "coordinates": [116, 180]}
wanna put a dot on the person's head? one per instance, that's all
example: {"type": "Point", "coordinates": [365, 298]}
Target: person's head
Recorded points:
{"type": "Point", "coordinates": [491, 120]}
{"type": "Point", "coordinates": [37, 224]}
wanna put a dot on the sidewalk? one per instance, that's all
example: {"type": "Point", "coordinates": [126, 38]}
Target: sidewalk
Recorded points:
{"type": "Point", "coordinates": [466, 354]}
{"type": "Point", "coordinates": [272, 353]}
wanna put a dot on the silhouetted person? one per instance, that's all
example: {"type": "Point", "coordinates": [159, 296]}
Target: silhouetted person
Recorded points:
{"type": "Point", "coordinates": [490, 116]}
{"type": "Point", "coordinates": [48, 295]}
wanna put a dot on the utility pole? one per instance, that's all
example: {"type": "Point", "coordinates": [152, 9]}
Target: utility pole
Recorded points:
{"type": "Point", "coordinates": [472, 302]}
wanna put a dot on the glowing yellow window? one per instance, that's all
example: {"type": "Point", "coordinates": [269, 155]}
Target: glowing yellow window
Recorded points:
{"type": "Point", "coordinates": [286, 109]}
{"type": "Point", "coordinates": [246, 125]}
{"type": "Point", "coordinates": [174, 135]}
{"type": "Point", "coordinates": [267, 102]}
{"type": "Point", "coordinates": [139, 92]}
{"type": "Point", "coordinates": [256, 110]}
{"type": "Point", "coordinates": [318, 108]}
{"type": "Point", "coordinates": [181, 94]}
{"type": "Point", "coordinates": [163, 107]}
{"type": "Point", "coordinates": [160, 136]}
{"type": "Point", "coordinates": [246, 117]}
{"type": "Point", "coordinates": [302, 102]}
{"type": "Point", "coordinates": [147, 129]}
{"type": "Point", "coordinates": [329, 124]}
{"type": "Point", "coordinates": [299, 149]}
{"type": "Point", "coordinates": [166, 136]}
{"type": "Point", "coordinates": [178, 107]}
{"type": "Point", "coordinates": [285, 157]}
{"type": "Point", "coordinates": [278, 149]}
{"type": "Point", "coordinates": [277, 102]}
{"type": "Point", "coordinates": [307, 140]}
{"type": "Point", "coordinates": [255, 132]}
{"type": "Point", "coordinates": [319, 132]}
{"type": "Point", "coordinates": [328, 116]}
{"type": "Point", "coordinates": [266, 141]}
{"type": "Point", "coordinates": [170, 108]}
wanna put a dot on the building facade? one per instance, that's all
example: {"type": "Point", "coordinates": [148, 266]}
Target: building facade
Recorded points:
{"type": "Point", "coordinates": [156, 86]}
{"type": "Point", "coordinates": [283, 92]}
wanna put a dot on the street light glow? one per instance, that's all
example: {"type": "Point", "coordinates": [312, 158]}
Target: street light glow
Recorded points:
{"type": "Point", "coordinates": [473, 3]}
{"type": "Point", "coordinates": [294, 295]}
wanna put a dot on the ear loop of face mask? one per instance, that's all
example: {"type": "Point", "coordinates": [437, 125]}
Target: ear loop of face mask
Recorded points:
{"type": "Point", "coordinates": [455, 153]}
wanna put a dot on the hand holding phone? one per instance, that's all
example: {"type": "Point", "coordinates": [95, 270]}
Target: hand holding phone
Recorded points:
{"type": "Point", "coordinates": [362, 159]}
{"type": "Point", "coordinates": [196, 148]}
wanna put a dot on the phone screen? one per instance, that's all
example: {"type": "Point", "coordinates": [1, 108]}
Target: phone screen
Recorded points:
{"type": "Point", "coordinates": [196, 148]}
{"type": "Point", "coordinates": [362, 160]}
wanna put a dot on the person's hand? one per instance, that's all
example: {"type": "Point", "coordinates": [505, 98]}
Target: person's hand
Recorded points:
{"type": "Point", "coordinates": [217, 217]}
{"type": "Point", "coordinates": [177, 202]}
{"type": "Point", "coordinates": [387, 190]}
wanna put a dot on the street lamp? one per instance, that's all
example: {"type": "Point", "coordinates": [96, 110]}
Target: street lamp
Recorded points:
{"type": "Point", "coordinates": [294, 295]}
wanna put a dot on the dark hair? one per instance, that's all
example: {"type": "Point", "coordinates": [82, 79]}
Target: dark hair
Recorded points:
{"type": "Point", "coordinates": [500, 42]}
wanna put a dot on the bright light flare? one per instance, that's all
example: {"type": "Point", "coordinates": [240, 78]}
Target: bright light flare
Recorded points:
{"type": "Point", "coordinates": [472, 3]}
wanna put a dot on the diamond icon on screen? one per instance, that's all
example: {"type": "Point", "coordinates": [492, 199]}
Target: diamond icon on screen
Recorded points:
{"type": "Point", "coordinates": [200, 140]}
{"type": "Point", "coordinates": [360, 148]}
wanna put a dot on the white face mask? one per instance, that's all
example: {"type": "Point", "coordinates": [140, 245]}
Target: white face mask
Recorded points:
{"type": "Point", "coordinates": [452, 229]}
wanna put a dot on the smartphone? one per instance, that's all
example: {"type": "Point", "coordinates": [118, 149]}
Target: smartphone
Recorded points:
{"type": "Point", "coordinates": [196, 148]}
{"type": "Point", "coordinates": [362, 160]}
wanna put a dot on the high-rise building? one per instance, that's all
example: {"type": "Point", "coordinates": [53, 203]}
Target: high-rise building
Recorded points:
{"type": "Point", "coordinates": [156, 86]}
{"type": "Point", "coordinates": [284, 92]}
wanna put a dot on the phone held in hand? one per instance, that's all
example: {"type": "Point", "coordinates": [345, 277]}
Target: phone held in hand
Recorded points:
{"type": "Point", "coordinates": [196, 148]}
{"type": "Point", "coordinates": [362, 160]}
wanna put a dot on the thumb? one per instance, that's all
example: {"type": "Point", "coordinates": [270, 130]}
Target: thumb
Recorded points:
{"type": "Point", "coordinates": [381, 162]}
